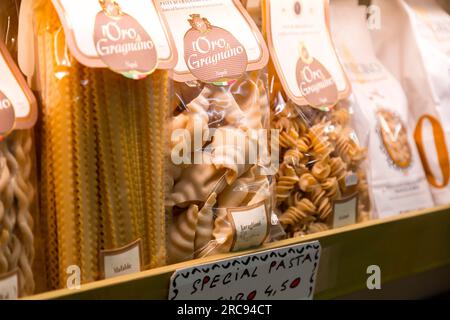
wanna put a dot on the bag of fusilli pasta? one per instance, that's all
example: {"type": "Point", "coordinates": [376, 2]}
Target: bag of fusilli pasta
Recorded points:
{"type": "Point", "coordinates": [105, 93]}
{"type": "Point", "coordinates": [218, 189]}
{"type": "Point", "coordinates": [321, 182]}
{"type": "Point", "coordinates": [397, 181]}
{"type": "Point", "coordinates": [18, 236]}
{"type": "Point", "coordinates": [414, 44]}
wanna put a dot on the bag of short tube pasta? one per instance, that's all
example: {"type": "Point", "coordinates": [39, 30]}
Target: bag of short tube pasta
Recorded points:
{"type": "Point", "coordinates": [219, 181]}
{"type": "Point", "coordinates": [321, 182]}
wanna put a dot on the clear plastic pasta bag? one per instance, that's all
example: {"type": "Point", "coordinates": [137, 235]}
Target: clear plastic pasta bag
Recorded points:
{"type": "Point", "coordinates": [212, 198]}
{"type": "Point", "coordinates": [19, 236]}
{"type": "Point", "coordinates": [219, 181]}
{"type": "Point", "coordinates": [102, 144]}
{"type": "Point", "coordinates": [322, 181]}
{"type": "Point", "coordinates": [397, 181]}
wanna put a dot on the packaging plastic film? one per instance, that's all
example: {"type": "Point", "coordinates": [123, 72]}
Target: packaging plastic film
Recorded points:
{"type": "Point", "coordinates": [322, 181]}
{"type": "Point", "coordinates": [397, 181]}
{"type": "Point", "coordinates": [219, 180]}
{"type": "Point", "coordinates": [18, 236]}
{"type": "Point", "coordinates": [102, 157]}
{"type": "Point", "coordinates": [423, 32]}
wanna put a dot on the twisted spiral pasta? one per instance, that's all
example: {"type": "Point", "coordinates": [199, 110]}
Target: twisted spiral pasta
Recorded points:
{"type": "Point", "coordinates": [296, 214]}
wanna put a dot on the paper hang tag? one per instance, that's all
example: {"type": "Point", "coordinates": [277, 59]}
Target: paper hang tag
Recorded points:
{"type": "Point", "coordinates": [18, 109]}
{"type": "Point", "coordinates": [251, 226]}
{"type": "Point", "coordinates": [316, 84]}
{"type": "Point", "coordinates": [303, 53]}
{"type": "Point", "coordinates": [205, 44]}
{"type": "Point", "coordinates": [124, 46]}
{"type": "Point", "coordinates": [129, 37]}
{"type": "Point", "coordinates": [218, 39]}
{"type": "Point", "coordinates": [122, 261]}
{"type": "Point", "coordinates": [7, 115]}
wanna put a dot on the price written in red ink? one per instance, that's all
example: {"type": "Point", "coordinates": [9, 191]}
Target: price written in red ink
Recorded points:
{"type": "Point", "coordinates": [286, 273]}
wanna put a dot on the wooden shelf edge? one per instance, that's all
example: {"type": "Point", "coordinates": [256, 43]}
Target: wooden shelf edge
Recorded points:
{"type": "Point", "coordinates": [337, 245]}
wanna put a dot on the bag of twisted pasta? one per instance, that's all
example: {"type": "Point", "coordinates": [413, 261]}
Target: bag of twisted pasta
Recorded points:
{"type": "Point", "coordinates": [17, 167]}
{"type": "Point", "coordinates": [414, 44]}
{"type": "Point", "coordinates": [218, 187]}
{"type": "Point", "coordinates": [105, 93]}
{"type": "Point", "coordinates": [397, 181]}
{"type": "Point", "coordinates": [321, 182]}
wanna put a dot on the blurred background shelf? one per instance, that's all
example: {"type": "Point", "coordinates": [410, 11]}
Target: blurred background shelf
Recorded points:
{"type": "Point", "coordinates": [412, 251]}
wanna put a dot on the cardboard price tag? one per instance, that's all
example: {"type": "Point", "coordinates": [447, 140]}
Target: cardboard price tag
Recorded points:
{"type": "Point", "coordinates": [287, 273]}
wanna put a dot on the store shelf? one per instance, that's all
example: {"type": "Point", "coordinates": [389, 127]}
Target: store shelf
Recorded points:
{"type": "Point", "coordinates": [402, 246]}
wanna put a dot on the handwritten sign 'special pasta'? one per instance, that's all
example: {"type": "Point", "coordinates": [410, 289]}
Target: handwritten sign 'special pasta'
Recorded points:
{"type": "Point", "coordinates": [285, 273]}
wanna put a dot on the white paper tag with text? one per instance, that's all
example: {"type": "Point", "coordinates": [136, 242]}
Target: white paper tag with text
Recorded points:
{"type": "Point", "coordinates": [119, 262]}
{"type": "Point", "coordinates": [9, 286]}
{"type": "Point", "coordinates": [251, 226]}
{"type": "Point", "coordinates": [287, 273]}
{"type": "Point", "coordinates": [345, 211]}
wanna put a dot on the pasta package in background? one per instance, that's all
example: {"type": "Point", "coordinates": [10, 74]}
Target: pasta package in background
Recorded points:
{"type": "Point", "coordinates": [397, 182]}
{"type": "Point", "coordinates": [102, 135]}
{"type": "Point", "coordinates": [219, 184]}
{"type": "Point", "coordinates": [321, 182]}
{"type": "Point", "coordinates": [18, 241]}
{"type": "Point", "coordinates": [414, 44]}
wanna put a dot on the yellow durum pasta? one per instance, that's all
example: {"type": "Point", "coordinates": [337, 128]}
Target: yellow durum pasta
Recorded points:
{"type": "Point", "coordinates": [102, 165]}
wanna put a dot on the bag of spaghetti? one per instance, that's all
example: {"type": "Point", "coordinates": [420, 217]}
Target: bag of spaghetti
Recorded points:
{"type": "Point", "coordinates": [218, 187]}
{"type": "Point", "coordinates": [17, 166]}
{"type": "Point", "coordinates": [105, 94]}
{"type": "Point", "coordinates": [321, 182]}
{"type": "Point", "coordinates": [415, 45]}
{"type": "Point", "coordinates": [396, 178]}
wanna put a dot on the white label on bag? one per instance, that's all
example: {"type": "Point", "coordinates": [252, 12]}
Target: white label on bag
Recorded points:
{"type": "Point", "coordinates": [251, 226]}
{"type": "Point", "coordinates": [119, 262]}
{"type": "Point", "coordinates": [79, 22]}
{"type": "Point", "coordinates": [9, 286]}
{"type": "Point", "coordinates": [303, 53]}
{"type": "Point", "coordinates": [287, 273]}
{"type": "Point", "coordinates": [225, 17]}
{"type": "Point", "coordinates": [345, 212]}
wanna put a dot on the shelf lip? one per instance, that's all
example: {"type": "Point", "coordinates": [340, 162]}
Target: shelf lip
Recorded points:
{"type": "Point", "coordinates": [169, 269]}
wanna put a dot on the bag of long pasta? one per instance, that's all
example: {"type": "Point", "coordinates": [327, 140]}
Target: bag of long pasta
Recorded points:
{"type": "Point", "coordinates": [17, 168]}
{"type": "Point", "coordinates": [414, 44]}
{"type": "Point", "coordinates": [218, 188]}
{"type": "Point", "coordinates": [397, 181]}
{"type": "Point", "coordinates": [321, 182]}
{"type": "Point", "coordinates": [102, 135]}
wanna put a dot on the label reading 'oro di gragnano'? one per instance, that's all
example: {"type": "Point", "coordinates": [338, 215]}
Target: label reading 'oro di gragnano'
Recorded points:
{"type": "Point", "coordinates": [217, 38]}
{"type": "Point", "coordinates": [213, 54]}
{"type": "Point", "coordinates": [303, 54]}
{"type": "Point", "coordinates": [128, 37]}
{"type": "Point", "coordinates": [122, 44]}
